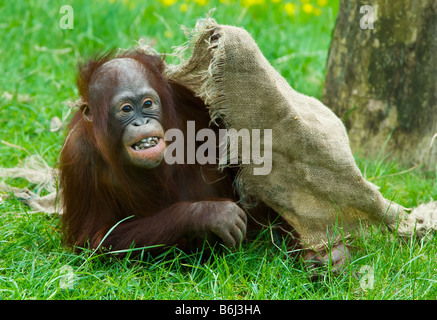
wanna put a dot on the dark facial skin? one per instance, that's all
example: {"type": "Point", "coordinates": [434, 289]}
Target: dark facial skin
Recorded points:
{"type": "Point", "coordinates": [135, 110]}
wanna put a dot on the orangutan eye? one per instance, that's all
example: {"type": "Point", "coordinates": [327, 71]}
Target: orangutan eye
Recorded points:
{"type": "Point", "coordinates": [126, 108]}
{"type": "Point", "coordinates": [147, 104]}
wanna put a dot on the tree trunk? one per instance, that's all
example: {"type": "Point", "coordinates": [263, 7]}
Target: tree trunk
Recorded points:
{"type": "Point", "coordinates": [382, 77]}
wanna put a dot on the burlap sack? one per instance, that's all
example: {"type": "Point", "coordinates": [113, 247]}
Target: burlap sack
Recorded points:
{"type": "Point", "coordinates": [314, 183]}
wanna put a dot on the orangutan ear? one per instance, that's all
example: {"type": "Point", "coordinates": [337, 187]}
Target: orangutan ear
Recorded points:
{"type": "Point", "coordinates": [86, 112]}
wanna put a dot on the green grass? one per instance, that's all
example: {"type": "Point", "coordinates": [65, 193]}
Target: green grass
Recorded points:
{"type": "Point", "coordinates": [38, 70]}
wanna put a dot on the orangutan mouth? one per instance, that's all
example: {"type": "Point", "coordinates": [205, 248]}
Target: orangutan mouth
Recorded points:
{"type": "Point", "coordinates": [145, 143]}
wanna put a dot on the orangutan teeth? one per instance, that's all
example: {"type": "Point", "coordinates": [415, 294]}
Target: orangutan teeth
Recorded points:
{"type": "Point", "coordinates": [146, 143]}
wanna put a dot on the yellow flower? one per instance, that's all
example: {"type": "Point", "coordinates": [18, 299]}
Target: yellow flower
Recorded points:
{"type": "Point", "coordinates": [168, 34]}
{"type": "Point", "coordinates": [317, 12]}
{"type": "Point", "coordinates": [183, 7]}
{"type": "Point", "coordinates": [249, 3]}
{"type": "Point", "coordinates": [322, 3]}
{"type": "Point", "coordinates": [290, 8]}
{"type": "Point", "coordinates": [308, 8]}
{"type": "Point", "coordinates": [201, 2]}
{"type": "Point", "coordinates": [168, 3]}
{"type": "Point", "coordinates": [276, 1]}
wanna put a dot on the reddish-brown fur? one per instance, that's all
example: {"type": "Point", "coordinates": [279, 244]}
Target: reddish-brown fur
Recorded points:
{"type": "Point", "coordinates": [167, 203]}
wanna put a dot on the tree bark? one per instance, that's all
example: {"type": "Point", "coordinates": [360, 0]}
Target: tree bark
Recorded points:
{"type": "Point", "coordinates": [382, 78]}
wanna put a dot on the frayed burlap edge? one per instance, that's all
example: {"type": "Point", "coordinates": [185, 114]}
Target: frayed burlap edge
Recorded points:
{"type": "Point", "coordinates": [206, 84]}
{"type": "Point", "coordinates": [38, 172]}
